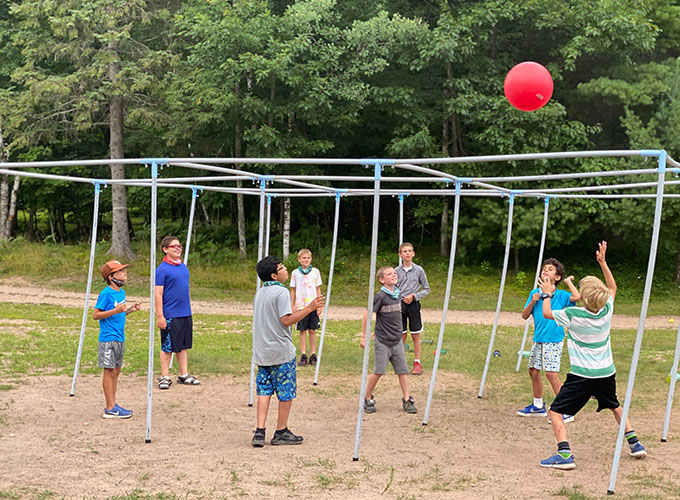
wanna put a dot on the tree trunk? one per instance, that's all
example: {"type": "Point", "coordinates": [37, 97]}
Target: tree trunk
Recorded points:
{"type": "Point", "coordinates": [51, 221]}
{"type": "Point", "coordinates": [205, 213]}
{"type": "Point", "coordinates": [5, 220]}
{"type": "Point", "coordinates": [286, 228]}
{"type": "Point", "coordinates": [30, 229]}
{"type": "Point", "coordinates": [444, 230]}
{"type": "Point", "coordinates": [516, 252]}
{"type": "Point", "coordinates": [240, 206]}
{"type": "Point", "coordinates": [677, 267]}
{"type": "Point", "coordinates": [120, 236]}
{"type": "Point", "coordinates": [61, 224]}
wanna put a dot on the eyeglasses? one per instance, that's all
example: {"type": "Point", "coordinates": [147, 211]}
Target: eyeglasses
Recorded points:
{"type": "Point", "coordinates": [280, 268]}
{"type": "Point", "coordinates": [176, 247]}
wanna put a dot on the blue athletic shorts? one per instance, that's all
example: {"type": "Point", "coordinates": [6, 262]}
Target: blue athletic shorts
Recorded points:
{"type": "Point", "coordinates": [280, 379]}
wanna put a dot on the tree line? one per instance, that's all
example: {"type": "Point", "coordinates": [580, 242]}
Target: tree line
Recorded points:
{"type": "Point", "coordinates": [322, 78]}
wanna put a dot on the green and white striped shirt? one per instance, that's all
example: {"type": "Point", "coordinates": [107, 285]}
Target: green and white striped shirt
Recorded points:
{"type": "Point", "coordinates": [590, 350]}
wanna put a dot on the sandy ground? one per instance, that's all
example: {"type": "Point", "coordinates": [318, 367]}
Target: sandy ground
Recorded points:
{"type": "Point", "coordinates": [56, 446]}
{"type": "Point", "coordinates": [20, 293]}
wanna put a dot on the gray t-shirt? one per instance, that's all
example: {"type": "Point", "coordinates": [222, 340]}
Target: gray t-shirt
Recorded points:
{"type": "Point", "coordinates": [388, 325]}
{"type": "Point", "coordinates": [413, 281]}
{"type": "Point", "coordinates": [272, 342]}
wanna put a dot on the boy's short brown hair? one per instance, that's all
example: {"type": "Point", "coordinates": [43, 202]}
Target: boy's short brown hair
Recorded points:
{"type": "Point", "coordinates": [304, 251]}
{"type": "Point", "coordinates": [165, 242]}
{"type": "Point", "coordinates": [594, 293]}
{"type": "Point", "coordinates": [406, 244]}
{"type": "Point", "coordinates": [381, 272]}
{"type": "Point", "coordinates": [559, 268]}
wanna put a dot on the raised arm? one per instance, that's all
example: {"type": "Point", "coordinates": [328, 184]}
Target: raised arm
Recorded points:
{"type": "Point", "coordinates": [526, 312]}
{"type": "Point", "coordinates": [293, 318]}
{"type": "Point", "coordinates": [549, 288]}
{"type": "Point", "coordinates": [600, 254]}
{"type": "Point", "coordinates": [575, 294]}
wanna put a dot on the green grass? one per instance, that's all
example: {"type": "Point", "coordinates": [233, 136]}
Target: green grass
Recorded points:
{"type": "Point", "coordinates": [222, 275]}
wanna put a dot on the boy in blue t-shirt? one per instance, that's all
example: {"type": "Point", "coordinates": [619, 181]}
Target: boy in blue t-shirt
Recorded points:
{"type": "Point", "coordinates": [111, 310]}
{"type": "Point", "coordinates": [546, 351]}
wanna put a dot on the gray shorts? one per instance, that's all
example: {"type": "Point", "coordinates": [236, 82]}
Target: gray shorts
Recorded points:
{"type": "Point", "coordinates": [395, 354]}
{"type": "Point", "coordinates": [111, 354]}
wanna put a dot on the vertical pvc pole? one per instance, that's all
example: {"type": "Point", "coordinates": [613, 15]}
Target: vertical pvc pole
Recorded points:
{"type": "Point", "coordinates": [447, 296]}
{"type": "Point", "coordinates": [401, 221]}
{"type": "Point", "coordinates": [88, 290]}
{"type": "Point", "coordinates": [511, 203]}
{"type": "Point", "coordinates": [671, 389]}
{"type": "Point", "coordinates": [191, 224]}
{"type": "Point", "coordinates": [538, 273]}
{"type": "Point", "coordinates": [268, 225]}
{"type": "Point", "coordinates": [643, 316]}
{"type": "Point", "coordinates": [260, 238]}
{"type": "Point", "coordinates": [371, 289]}
{"type": "Point", "coordinates": [152, 289]}
{"type": "Point", "coordinates": [330, 285]}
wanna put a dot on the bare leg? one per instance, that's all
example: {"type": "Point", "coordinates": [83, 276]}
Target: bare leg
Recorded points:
{"type": "Point", "coordinates": [165, 363]}
{"type": "Point", "coordinates": [403, 382]}
{"type": "Point", "coordinates": [284, 413]}
{"type": "Point", "coordinates": [262, 410]}
{"type": "Point", "coordinates": [303, 342]}
{"type": "Point", "coordinates": [536, 382]}
{"type": "Point", "coordinates": [555, 382]}
{"type": "Point", "coordinates": [416, 344]}
{"type": "Point", "coordinates": [370, 385]}
{"type": "Point", "coordinates": [618, 412]}
{"type": "Point", "coordinates": [558, 426]}
{"type": "Point", "coordinates": [182, 361]}
{"type": "Point", "coordinates": [404, 336]}
{"type": "Point", "coordinates": [116, 373]}
{"type": "Point", "coordinates": [109, 380]}
{"type": "Point", "coordinates": [312, 341]}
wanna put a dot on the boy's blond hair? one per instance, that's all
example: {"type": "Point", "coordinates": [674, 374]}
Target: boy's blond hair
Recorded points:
{"type": "Point", "coordinates": [406, 244]}
{"type": "Point", "coordinates": [304, 251]}
{"type": "Point", "coordinates": [381, 272]}
{"type": "Point", "coordinates": [593, 292]}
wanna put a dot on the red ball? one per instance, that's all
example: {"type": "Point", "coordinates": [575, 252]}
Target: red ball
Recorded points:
{"type": "Point", "coordinates": [528, 86]}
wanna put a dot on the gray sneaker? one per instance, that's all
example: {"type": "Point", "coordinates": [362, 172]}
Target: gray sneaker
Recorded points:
{"type": "Point", "coordinates": [369, 405]}
{"type": "Point", "coordinates": [409, 405]}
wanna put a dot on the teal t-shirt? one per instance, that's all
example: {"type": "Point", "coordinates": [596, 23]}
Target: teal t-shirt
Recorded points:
{"type": "Point", "coordinates": [546, 330]}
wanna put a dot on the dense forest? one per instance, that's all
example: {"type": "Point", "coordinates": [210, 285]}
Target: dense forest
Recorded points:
{"type": "Point", "coordinates": [83, 79]}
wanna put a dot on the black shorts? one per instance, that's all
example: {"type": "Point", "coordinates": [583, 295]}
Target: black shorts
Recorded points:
{"type": "Point", "coordinates": [411, 319]}
{"type": "Point", "coordinates": [309, 322]}
{"type": "Point", "coordinates": [576, 392]}
{"type": "Point", "coordinates": [178, 334]}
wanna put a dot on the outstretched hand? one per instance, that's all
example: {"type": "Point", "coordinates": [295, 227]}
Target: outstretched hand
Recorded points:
{"type": "Point", "coordinates": [601, 253]}
{"type": "Point", "coordinates": [546, 286]}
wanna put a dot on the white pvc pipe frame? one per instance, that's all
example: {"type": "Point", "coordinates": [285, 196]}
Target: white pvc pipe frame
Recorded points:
{"type": "Point", "coordinates": [661, 156]}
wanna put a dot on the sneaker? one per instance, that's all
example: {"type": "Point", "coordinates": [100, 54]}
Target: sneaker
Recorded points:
{"type": "Point", "coordinates": [285, 437]}
{"type": "Point", "coordinates": [258, 439]}
{"type": "Point", "coordinates": [557, 461]}
{"type": "Point", "coordinates": [638, 451]}
{"type": "Point", "coordinates": [312, 359]}
{"type": "Point", "coordinates": [369, 406]}
{"type": "Point", "coordinates": [117, 412]}
{"type": "Point", "coordinates": [303, 360]}
{"type": "Point", "coordinates": [565, 418]}
{"type": "Point", "coordinates": [532, 411]}
{"type": "Point", "coordinates": [417, 368]}
{"type": "Point", "coordinates": [408, 405]}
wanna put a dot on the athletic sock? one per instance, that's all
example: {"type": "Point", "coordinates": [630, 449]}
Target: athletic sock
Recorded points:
{"type": "Point", "coordinates": [538, 402]}
{"type": "Point", "coordinates": [184, 376]}
{"type": "Point", "coordinates": [416, 360]}
{"type": "Point", "coordinates": [260, 430]}
{"type": "Point", "coordinates": [281, 431]}
{"type": "Point", "coordinates": [632, 438]}
{"type": "Point", "coordinates": [563, 449]}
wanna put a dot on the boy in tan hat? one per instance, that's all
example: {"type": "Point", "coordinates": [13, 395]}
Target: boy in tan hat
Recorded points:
{"type": "Point", "coordinates": [111, 311]}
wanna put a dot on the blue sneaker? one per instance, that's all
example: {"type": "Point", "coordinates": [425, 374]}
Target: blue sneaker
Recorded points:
{"type": "Point", "coordinates": [117, 412]}
{"type": "Point", "coordinates": [565, 418]}
{"type": "Point", "coordinates": [532, 411]}
{"type": "Point", "coordinates": [638, 451]}
{"type": "Point", "coordinates": [557, 461]}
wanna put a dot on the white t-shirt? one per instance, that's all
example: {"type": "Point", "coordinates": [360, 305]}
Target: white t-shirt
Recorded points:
{"type": "Point", "coordinates": [305, 287]}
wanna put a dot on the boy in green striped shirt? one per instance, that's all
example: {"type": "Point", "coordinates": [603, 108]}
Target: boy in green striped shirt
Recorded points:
{"type": "Point", "coordinates": [592, 365]}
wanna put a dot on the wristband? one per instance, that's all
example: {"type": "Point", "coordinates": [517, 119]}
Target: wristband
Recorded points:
{"type": "Point", "coordinates": [546, 296]}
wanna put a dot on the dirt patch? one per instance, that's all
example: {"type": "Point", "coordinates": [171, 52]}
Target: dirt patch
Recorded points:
{"type": "Point", "coordinates": [15, 292]}
{"type": "Point", "coordinates": [200, 444]}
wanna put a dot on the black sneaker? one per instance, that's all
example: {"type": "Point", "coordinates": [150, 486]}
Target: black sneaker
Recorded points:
{"type": "Point", "coordinates": [409, 405]}
{"type": "Point", "coordinates": [286, 437]}
{"type": "Point", "coordinates": [303, 360]}
{"type": "Point", "coordinates": [258, 439]}
{"type": "Point", "coordinates": [312, 359]}
{"type": "Point", "coordinates": [369, 406]}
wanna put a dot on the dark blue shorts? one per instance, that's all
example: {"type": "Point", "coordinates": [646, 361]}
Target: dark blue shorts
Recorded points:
{"type": "Point", "coordinates": [280, 379]}
{"type": "Point", "coordinates": [178, 334]}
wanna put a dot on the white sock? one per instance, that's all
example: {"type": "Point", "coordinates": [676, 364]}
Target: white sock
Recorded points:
{"type": "Point", "coordinates": [416, 360]}
{"type": "Point", "coordinates": [184, 376]}
{"type": "Point", "coordinates": [538, 402]}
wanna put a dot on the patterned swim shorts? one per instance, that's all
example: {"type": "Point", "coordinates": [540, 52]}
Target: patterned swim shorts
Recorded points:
{"type": "Point", "coordinates": [546, 356]}
{"type": "Point", "coordinates": [280, 379]}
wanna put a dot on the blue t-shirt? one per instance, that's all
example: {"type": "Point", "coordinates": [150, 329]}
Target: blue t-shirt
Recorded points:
{"type": "Point", "coordinates": [113, 327]}
{"type": "Point", "coordinates": [546, 330]}
{"type": "Point", "coordinates": [175, 283]}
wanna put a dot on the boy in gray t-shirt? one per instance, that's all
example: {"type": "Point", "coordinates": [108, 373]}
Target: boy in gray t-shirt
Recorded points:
{"type": "Point", "coordinates": [273, 349]}
{"type": "Point", "coordinates": [387, 345]}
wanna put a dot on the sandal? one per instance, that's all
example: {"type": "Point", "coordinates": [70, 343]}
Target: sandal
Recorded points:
{"type": "Point", "coordinates": [188, 380]}
{"type": "Point", "coordinates": [164, 383]}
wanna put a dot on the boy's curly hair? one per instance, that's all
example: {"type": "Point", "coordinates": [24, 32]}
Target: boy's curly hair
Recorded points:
{"type": "Point", "coordinates": [559, 268]}
{"type": "Point", "coordinates": [594, 293]}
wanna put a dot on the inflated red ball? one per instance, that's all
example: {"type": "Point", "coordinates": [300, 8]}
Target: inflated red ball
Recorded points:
{"type": "Point", "coordinates": [528, 86]}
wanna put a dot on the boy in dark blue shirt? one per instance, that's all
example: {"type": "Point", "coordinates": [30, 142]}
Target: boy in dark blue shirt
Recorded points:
{"type": "Point", "coordinates": [111, 311]}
